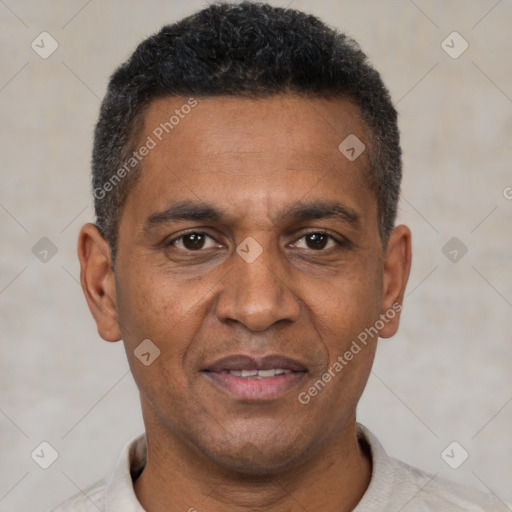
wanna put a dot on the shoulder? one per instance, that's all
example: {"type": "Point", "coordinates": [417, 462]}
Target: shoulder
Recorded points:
{"type": "Point", "coordinates": [91, 499]}
{"type": "Point", "coordinates": [395, 486]}
{"type": "Point", "coordinates": [425, 491]}
{"type": "Point", "coordinates": [116, 492]}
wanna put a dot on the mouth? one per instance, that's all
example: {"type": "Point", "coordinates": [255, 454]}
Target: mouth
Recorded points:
{"type": "Point", "coordinates": [248, 379]}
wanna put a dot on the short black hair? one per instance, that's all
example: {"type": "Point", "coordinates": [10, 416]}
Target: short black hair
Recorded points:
{"type": "Point", "coordinates": [246, 49]}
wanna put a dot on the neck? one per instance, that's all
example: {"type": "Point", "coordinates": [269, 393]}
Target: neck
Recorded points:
{"type": "Point", "coordinates": [178, 478]}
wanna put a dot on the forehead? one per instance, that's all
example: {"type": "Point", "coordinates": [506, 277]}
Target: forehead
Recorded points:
{"type": "Point", "coordinates": [247, 152]}
{"type": "Point", "coordinates": [243, 125]}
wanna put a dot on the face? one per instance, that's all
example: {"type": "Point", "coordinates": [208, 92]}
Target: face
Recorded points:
{"type": "Point", "coordinates": [249, 244]}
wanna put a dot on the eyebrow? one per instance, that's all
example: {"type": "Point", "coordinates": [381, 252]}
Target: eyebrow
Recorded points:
{"type": "Point", "coordinates": [299, 211]}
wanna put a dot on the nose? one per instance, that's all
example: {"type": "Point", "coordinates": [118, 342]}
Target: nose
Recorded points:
{"type": "Point", "coordinates": [258, 294]}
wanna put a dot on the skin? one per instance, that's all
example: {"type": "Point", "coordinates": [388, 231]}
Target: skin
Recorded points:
{"type": "Point", "coordinates": [252, 158]}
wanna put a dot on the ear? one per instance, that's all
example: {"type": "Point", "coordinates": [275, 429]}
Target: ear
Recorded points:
{"type": "Point", "coordinates": [397, 265]}
{"type": "Point", "coordinates": [97, 280]}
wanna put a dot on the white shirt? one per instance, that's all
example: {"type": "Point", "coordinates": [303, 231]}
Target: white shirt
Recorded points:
{"type": "Point", "coordinates": [394, 486]}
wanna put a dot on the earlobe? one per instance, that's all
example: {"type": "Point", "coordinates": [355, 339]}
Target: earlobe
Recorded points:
{"type": "Point", "coordinates": [397, 266]}
{"type": "Point", "coordinates": [97, 280]}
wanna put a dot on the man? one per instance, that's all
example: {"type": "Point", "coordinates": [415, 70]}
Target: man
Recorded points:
{"type": "Point", "coordinates": [246, 174]}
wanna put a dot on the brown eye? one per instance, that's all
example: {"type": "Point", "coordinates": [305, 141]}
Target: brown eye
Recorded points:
{"type": "Point", "coordinates": [318, 241]}
{"type": "Point", "coordinates": [193, 241]}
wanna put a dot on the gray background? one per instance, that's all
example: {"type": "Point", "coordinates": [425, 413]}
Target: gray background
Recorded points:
{"type": "Point", "coordinates": [445, 376]}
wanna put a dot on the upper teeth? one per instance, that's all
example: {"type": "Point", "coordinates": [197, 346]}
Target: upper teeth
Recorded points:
{"type": "Point", "coordinates": [258, 374]}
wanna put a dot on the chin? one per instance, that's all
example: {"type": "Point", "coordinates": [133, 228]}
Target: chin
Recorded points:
{"type": "Point", "coordinates": [257, 464]}
{"type": "Point", "coordinates": [257, 457]}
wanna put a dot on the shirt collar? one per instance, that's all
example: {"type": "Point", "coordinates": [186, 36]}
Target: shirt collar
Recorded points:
{"type": "Point", "coordinates": [382, 479]}
{"type": "Point", "coordinates": [119, 493]}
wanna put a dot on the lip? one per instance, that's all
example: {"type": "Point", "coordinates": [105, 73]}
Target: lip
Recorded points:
{"type": "Point", "coordinates": [250, 389]}
{"type": "Point", "coordinates": [244, 362]}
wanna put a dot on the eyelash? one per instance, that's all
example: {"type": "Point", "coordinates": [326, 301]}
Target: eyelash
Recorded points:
{"type": "Point", "coordinates": [340, 243]}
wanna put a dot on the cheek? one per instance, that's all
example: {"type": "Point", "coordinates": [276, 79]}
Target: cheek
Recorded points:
{"type": "Point", "coordinates": [155, 310]}
{"type": "Point", "coordinates": [150, 304]}
{"type": "Point", "coordinates": [170, 313]}
{"type": "Point", "coordinates": [350, 303]}
{"type": "Point", "coordinates": [350, 306]}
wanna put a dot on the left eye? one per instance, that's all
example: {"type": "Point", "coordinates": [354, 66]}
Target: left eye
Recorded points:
{"type": "Point", "coordinates": [196, 240]}
{"type": "Point", "coordinates": [318, 240]}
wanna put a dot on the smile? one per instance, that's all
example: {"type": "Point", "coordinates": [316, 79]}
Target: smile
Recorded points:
{"type": "Point", "coordinates": [245, 378]}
